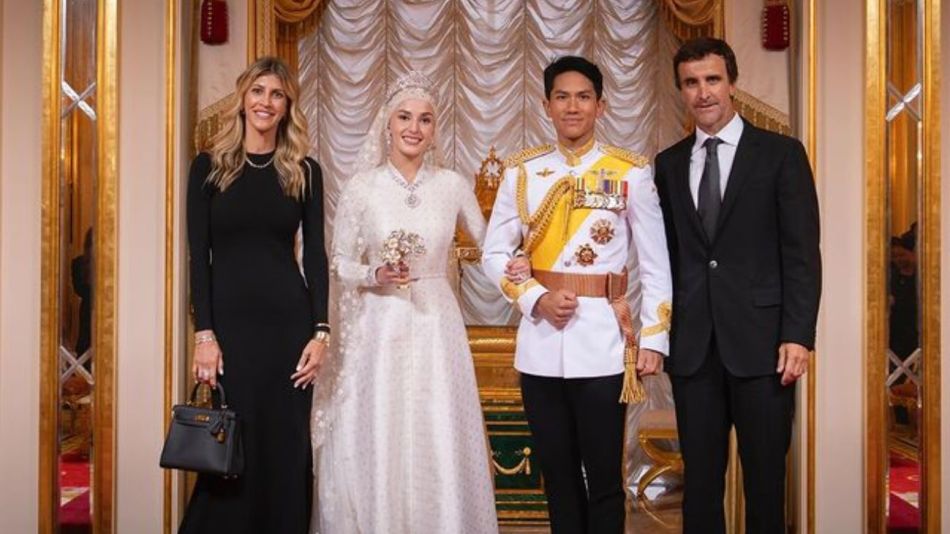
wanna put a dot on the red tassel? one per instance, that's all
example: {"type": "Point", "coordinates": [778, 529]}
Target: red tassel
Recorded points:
{"type": "Point", "coordinates": [775, 26]}
{"type": "Point", "coordinates": [214, 22]}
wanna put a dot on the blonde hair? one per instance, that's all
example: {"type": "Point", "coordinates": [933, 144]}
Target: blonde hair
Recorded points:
{"type": "Point", "coordinates": [227, 146]}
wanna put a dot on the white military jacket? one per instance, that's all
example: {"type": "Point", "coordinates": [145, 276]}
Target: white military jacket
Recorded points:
{"type": "Point", "coordinates": [610, 233]}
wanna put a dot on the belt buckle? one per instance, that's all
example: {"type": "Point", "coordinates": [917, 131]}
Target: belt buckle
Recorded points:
{"type": "Point", "coordinates": [616, 285]}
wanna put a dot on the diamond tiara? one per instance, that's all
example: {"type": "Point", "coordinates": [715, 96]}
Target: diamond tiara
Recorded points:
{"type": "Point", "coordinates": [411, 80]}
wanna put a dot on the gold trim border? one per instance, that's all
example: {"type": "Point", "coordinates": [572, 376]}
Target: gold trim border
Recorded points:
{"type": "Point", "coordinates": [875, 320]}
{"type": "Point", "coordinates": [876, 260]}
{"type": "Point", "coordinates": [50, 267]}
{"type": "Point", "coordinates": [930, 245]}
{"type": "Point", "coordinates": [104, 275]}
{"type": "Point", "coordinates": [171, 83]}
{"type": "Point", "coordinates": [208, 123]}
{"type": "Point", "coordinates": [761, 114]}
{"type": "Point", "coordinates": [106, 267]}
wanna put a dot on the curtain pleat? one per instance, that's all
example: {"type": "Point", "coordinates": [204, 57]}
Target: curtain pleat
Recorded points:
{"type": "Point", "coordinates": [486, 58]}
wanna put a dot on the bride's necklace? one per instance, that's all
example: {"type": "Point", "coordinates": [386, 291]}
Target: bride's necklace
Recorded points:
{"type": "Point", "coordinates": [412, 199]}
{"type": "Point", "coordinates": [261, 165]}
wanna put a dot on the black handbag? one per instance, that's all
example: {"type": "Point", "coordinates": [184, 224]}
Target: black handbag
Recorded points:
{"type": "Point", "coordinates": [205, 440]}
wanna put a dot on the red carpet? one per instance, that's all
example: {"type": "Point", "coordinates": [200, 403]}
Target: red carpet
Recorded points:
{"type": "Point", "coordinates": [74, 491]}
{"type": "Point", "coordinates": [904, 482]}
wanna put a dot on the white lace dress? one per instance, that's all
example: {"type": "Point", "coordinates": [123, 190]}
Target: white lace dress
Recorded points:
{"type": "Point", "coordinates": [399, 440]}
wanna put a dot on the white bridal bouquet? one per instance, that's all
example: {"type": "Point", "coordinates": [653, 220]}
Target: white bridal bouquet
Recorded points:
{"type": "Point", "coordinates": [400, 247]}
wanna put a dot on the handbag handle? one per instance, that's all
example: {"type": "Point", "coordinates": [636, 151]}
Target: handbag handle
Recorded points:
{"type": "Point", "coordinates": [218, 388]}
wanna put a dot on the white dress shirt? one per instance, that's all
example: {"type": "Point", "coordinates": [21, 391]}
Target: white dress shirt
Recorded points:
{"type": "Point", "coordinates": [729, 135]}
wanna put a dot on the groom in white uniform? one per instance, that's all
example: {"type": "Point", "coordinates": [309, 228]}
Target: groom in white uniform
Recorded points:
{"type": "Point", "coordinates": [579, 210]}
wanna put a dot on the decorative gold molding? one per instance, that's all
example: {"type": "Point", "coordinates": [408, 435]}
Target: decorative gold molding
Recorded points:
{"type": "Point", "coordinates": [261, 29]}
{"type": "Point", "coordinates": [171, 88]}
{"type": "Point", "coordinates": [877, 260]}
{"type": "Point", "coordinates": [104, 275]}
{"type": "Point", "coordinates": [875, 324]}
{"type": "Point", "coordinates": [251, 31]}
{"type": "Point", "coordinates": [761, 114]}
{"type": "Point", "coordinates": [930, 244]}
{"type": "Point", "coordinates": [50, 262]}
{"type": "Point", "coordinates": [106, 271]}
{"type": "Point", "coordinates": [209, 122]}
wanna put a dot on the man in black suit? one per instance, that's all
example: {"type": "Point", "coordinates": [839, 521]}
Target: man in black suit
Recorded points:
{"type": "Point", "coordinates": [741, 219]}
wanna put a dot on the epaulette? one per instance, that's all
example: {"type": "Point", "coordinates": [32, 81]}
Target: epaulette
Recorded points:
{"type": "Point", "coordinates": [528, 154]}
{"type": "Point", "coordinates": [627, 155]}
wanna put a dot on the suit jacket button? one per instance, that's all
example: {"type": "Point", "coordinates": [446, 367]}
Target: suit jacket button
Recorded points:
{"type": "Point", "coordinates": [713, 264]}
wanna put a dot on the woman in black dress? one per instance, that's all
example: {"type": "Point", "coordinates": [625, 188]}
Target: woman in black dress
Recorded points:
{"type": "Point", "coordinates": [261, 327]}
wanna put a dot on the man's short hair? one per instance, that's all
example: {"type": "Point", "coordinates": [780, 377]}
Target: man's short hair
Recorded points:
{"type": "Point", "coordinates": [700, 47]}
{"type": "Point", "coordinates": [573, 64]}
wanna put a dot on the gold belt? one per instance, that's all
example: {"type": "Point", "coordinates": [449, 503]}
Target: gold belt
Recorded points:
{"type": "Point", "coordinates": [613, 287]}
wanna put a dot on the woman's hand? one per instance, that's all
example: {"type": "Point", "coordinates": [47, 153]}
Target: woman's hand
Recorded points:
{"type": "Point", "coordinates": [518, 269]}
{"type": "Point", "coordinates": [208, 361]}
{"type": "Point", "coordinates": [393, 275]}
{"type": "Point", "coordinates": [310, 360]}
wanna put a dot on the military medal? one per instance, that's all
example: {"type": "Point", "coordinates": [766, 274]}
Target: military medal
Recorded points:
{"type": "Point", "coordinates": [605, 193]}
{"type": "Point", "coordinates": [585, 255]}
{"type": "Point", "coordinates": [602, 232]}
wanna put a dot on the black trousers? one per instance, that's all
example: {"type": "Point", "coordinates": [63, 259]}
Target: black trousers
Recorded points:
{"type": "Point", "coordinates": [577, 423]}
{"type": "Point", "coordinates": [708, 404]}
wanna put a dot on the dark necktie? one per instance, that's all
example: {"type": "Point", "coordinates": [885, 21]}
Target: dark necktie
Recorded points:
{"type": "Point", "coordinates": [710, 197]}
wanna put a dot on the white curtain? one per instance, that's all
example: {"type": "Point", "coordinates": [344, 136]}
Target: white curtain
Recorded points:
{"type": "Point", "coordinates": [487, 58]}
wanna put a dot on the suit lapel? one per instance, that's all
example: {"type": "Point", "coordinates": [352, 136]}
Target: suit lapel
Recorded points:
{"type": "Point", "coordinates": [746, 155]}
{"type": "Point", "coordinates": [682, 191]}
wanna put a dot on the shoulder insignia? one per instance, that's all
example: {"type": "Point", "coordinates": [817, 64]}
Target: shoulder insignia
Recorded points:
{"type": "Point", "coordinates": [528, 154]}
{"type": "Point", "coordinates": [627, 155]}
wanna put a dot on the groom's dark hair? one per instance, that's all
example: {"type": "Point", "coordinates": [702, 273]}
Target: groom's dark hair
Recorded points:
{"type": "Point", "coordinates": [573, 64]}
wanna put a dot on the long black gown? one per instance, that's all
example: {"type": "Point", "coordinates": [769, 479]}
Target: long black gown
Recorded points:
{"type": "Point", "coordinates": [247, 287]}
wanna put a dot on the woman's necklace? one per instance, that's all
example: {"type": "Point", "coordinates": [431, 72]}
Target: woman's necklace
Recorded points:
{"type": "Point", "coordinates": [412, 199]}
{"type": "Point", "coordinates": [262, 165]}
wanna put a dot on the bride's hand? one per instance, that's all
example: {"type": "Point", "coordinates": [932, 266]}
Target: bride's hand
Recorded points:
{"type": "Point", "coordinates": [392, 275]}
{"type": "Point", "coordinates": [518, 269]}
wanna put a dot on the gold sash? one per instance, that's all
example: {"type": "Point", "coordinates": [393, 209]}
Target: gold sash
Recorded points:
{"type": "Point", "coordinates": [545, 243]}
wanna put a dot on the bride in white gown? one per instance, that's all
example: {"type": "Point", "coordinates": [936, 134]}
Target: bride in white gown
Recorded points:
{"type": "Point", "coordinates": [398, 435]}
